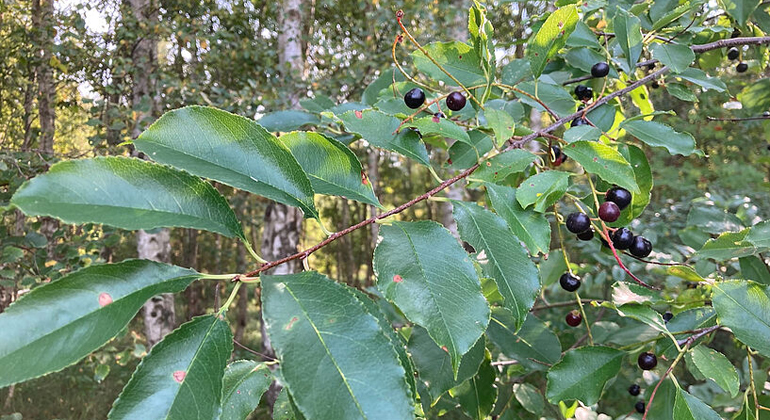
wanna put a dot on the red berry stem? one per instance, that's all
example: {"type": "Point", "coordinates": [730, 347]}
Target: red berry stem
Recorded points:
{"type": "Point", "coordinates": [606, 235]}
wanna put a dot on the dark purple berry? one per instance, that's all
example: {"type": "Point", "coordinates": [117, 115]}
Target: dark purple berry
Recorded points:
{"type": "Point", "coordinates": [647, 361]}
{"type": "Point", "coordinates": [455, 101]}
{"type": "Point", "coordinates": [639, 407]}
{"type": "Point", "coordinates": [634, 390]}
{"type": "Point", "coordinates": [583, 92]}
{"type": "Point", "coordinates": [619, 196]}
{"type": "Point", "coordinates": [558, 156]}
{"type": "Point", "coordinates": [732, 53]}
{"type": "Point", "coordinates": [609, 211]}
{"type": "Point", "coordinates": [651, 66]}
{"type": "Point", "coordinates": [578, 122]}
{"type": "Point", "coordinates": [600, 70]}
{"type": "Point", "coordinates": [569, 282]}
{"type": "Point", "coordinates": [414, 98]}
{"type": "Point", "coordinates": [668, 316]}
{"type": "Point", "coordinates": [655, 84]}
{"type": "Point", "coordinates": [641, 247]}
{"type": "Point", "coordinates": [741, 67]}
{"type": "Point", "coordinates": [622, 238]}
{"type": "Point", "coordinates": [587, 235]}
{"type": "Point", "coordinates": [574, 318]}
{"type": "Point", "coordinates": [578, 222]}
{"type": "Point", "coordinates": [736, 33]}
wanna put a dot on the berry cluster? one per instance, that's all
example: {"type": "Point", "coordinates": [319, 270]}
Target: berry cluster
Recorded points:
{"type": "Point", "coordinates": [415, 98]}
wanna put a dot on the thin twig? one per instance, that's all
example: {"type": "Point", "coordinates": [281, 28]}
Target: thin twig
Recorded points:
{"type": "Point", "coordinates": [253, 351]}
{"type": "Point", "coordinates": [760, 117]}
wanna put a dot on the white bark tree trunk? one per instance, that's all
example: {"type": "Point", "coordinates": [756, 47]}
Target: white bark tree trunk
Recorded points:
{"type": "Point", "coordinates": [283, 224]}
{"type": "Point", "coordinates": [159, 314]}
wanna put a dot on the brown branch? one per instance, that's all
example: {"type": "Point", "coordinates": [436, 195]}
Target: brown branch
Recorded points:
{"type": "Point", "coordinates": [334, 236]}
{"type": "Point", "coordinates": [761, 117]}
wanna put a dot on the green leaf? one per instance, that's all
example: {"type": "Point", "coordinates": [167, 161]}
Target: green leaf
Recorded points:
{"type": "Point", "coordinates": [676, 56]}
{"type": "Point", "coordinates": [744, 307]}
{"type": "Point", "coordinates": [585, 58]}
{"type": "Point", "coordinates": [318, 104]}
{"type": "Point", "coordinates": [583, 36]}
{"type": "Point", "coordinates": [321, 332]}
{"type": "Point", "coordinates": [284, 408]}
{"type": "Point", "coordinates": [332, 167]}
{"type": "Point", "coordinates": [628, 32]}
{"type": "Point", "coordinates": [551, 37]}
{"type": "Point", "coordinates": [244, 383]}
{"type": "Point", "coordinates": [755, 97]}
{"type": "Point", "coordinates": [728, 245]}
{"type": "Point", "coordinates": [504, 260]}
{"type": "Point", "coordinates": [740, 10]}
{"type": "Point", "coordinates": [465, 155]}
{"type": "Point", "coordinates": [516, 71]}
{"type": "Point", "coordinates": [556, 98]}
{"type": "Point", "coordinates": [439, 126]}
{"type": "Point", "coordinates": [499, 167]}
{"type": "Point", "coordinates": [681, 92]}
{"type": "Point", "coordinates": [288, 120]}
{"type": "Point", "coordinates": [126, 193]}
{"type": "Point", "coordinates": [582, 132]}
{"type": "Point", "coordinates": [542, 190]}
{"type": "Point", "coordinates": [181, 377]}
{"type": "Point", "coordinates": [643, 177]}
{"type": "Point", "coordinates": [669, 12]}
{"type": "Point", "coordinates": [644, 314]}
{"type": "Point", "coordinates": [528, 225]}
{"type": "Point", "coordinates": [435, 366]}
{"type": "Point", "coordinates": [582, 374]}
{"type": "Point", "coordinates": [713, 219]}
{"type": "Point", "coordinates": [437, 290]}
{"type": "Point", "coordinates": [688, 407]}
{"type": "Point", "coordinates": [502, 124]}
{"type": "Point", "coordinates": [700, 78]}
{"type": "Point", "coordinates": [59, 323]}
{"type": "Point", "coordinates": [477, 395]}
{"type": "Point", "coordinates": [456, 57]}
{"type": "Point", "coordinates": [534, 345]}
{"type": "Point", "coordinates": [379, 129]}
{"type": "Point", "coordinates": [233, 150]}
{"type": "Point", "coordinates": [529, 397]}
{"type": "Point", "coordinates": [660, 135]}
{"type": "Point", "coordinates": [372, 92]}
{"type": "Point", "coordinates": [604, 161]}
{"type": "Point", "coordinates": [715, 366]}
{"type": "Point", "coordinates": [754, 268]}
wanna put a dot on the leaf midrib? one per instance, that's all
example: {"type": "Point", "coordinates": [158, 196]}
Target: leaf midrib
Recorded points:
{"type": "Point", "coordinates": [591, 374]}
{"type": "Point", "coordinates": [544, 356]}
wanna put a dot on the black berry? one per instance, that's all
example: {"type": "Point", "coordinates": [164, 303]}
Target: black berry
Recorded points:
{"type": "Point", "coordinates": [640, 247]}
{"type": "Point", "coordinates": [634, 390]}
{"type": "Point", "coordinates": [587, 235]}
{"type": "Point", "coordinates": [732, 53]}
{"type": "Point", "coordinates": [609, 211]}
{"type": "Point", "coordinates": [600, 70]}
{"type": "Point", "coordinates": [741, 67]}
{"type": "Point", "coordinates": [583, 92]}
{"type": "Point", "coordinates": [647, 361]}
{"type": "Point", "coordinates": [414, 98]}
{"type": "Point", "coordinates": [622, 238]}
{"type": "Point", "coordinates": [651, 66]}
{"type": "Point", "coordinates": [619, 196]}
{"type": "Point", "coordinates": [558, 156]}
{"type": "Point", "coordinates": [439, 115]}
{"type": "Point", "coordinates": [667, 316]}
{"type": "Point", "coordinates": [639, 407]}
{"type": "Point", "coordinates": [578, 122]}
{"type": "Point", "coordinates": [578, 222]}
{"type": "Point", "coordinates": [574, 319]}
{"type": "Point", "coordinates": [569, 282]}
{"type": "Point", "coordinates": [455, 101]}
{"type": "Point", "coordinates": [736, 33]}
{"type": "Point", "coordinates": [655, 84]}
{"type": "Point", "coordinates": [766, 114]}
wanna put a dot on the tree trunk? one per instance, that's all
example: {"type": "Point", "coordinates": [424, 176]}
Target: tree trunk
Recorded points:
{"type": "Point", "coordinates": [193, 294]}
{"type": "Point", "coordinates": [373, 171]}
{"type": "Point", "coordinates": [42, 18]}
{"type": "Point", "coordinates": [283, 224]}
{"type": "Point", "coordinates": [241, 317]}
{"type": "Point", "coordinates": [159, 313]}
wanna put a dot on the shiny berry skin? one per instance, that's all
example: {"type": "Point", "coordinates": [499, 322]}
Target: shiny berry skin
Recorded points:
{"type": "Point", "coordinates": [414, 98]}
{"type": "Point", "coordinates": [732, 53]}
{"type": "Point", "coordinates": [583, 92]}
{"type": "Point", "coordinates": [578, 222]}
{"type": "Point", "coordinates": [600, 70]}
{"type": "Point", "coordinates": [569, 282]}
{"type": "Point", "coordinates": [647, 361]}
{"type": "Point", "coordinates": [634, 390]}
{"type": "Point", "coordinates": [622, 238]}
{"type": "Point", "coordinates": [558, 156]}
{"type": "Point", "coordinates": [668, 316]}
{"type": "Point", "coordinates": [619, 196]}
{"type": "Point", "coordinates": [455, 101]}
{"type": "Point", "coordinates": [741, 67]}
{"type": "Point", "coordinates": [578, 122]}
{"type": "Point", "coordinates": [587, 235]}
{"type": "Point", "coordinates": [609, 211]}
{"type": "Point", "coordinates": [651, 66]}
{"type": "Point", "coordinates": [641, 247]}
{"type": "Point", "coordinates": [655, 84]}
{"type": "Point", "coordinates": [574, 319]}
{"type": "Point", "coordinates": [639, 407]}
